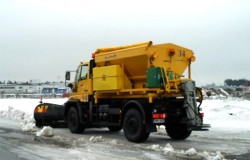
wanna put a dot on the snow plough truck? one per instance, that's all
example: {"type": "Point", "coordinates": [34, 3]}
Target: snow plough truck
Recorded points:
{"type": "Point", "coordinates": [135, 88]}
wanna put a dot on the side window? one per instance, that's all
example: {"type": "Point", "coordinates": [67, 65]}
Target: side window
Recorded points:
{"type": "Point", "coordinates": [81, 74]}
{"type": "Point", "coordinates": [78, 71]}
{"type": "Point", "coordinates": [77, 77]}
{"type": "Point", "coordinates": [84, 72]}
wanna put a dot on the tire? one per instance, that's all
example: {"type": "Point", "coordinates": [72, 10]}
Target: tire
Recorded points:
{"type": "Point", "coordinates": [115, 128]}
{"type": "Point", "coordinates": [74, 122]}
{"type": "Point", "coordinates": [133, 126]}
{"type": "Point", "coordinates": [178, 131]}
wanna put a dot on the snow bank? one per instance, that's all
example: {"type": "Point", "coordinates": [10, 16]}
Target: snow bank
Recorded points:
{"type": "Point", "coordinates": [26, 120]}
{"type": "Point", "coordinates": [28, 125]}
{"type": "Point", "coordinates": [227, 113]}
{"type": "Point", "coordinates": [22, 110]}
{"type": "Point", "coordinates": [230, 114]}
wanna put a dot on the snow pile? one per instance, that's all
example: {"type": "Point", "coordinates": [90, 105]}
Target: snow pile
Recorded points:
{"type": "Point", "coordinates": [113, 142]}
{"type": "Point", "coordinates": [27, 121]}
{"type": "Point", "coordinates": [190, 153]}
{"type": "Point", "coordinates": [168, 149]}
{"type": "Point", "coordinates": [28, 125]}
{"type": "Point", "coordinates": [161, 130]}
{"type": "Point", "coordinates": [213, 93]}
{"type": "Point", "coordinates": [46, 131]}
{"type": "Point", "coordinates": [155, 147]}
{"type": "Point", "coordinates": [213, 156]}
{"type": "Point", "coordinates": [95, 139]}
{"type": "Point", "coordinates": [13, 114]}
{"type": "Point", "coordinates": [223, 92]}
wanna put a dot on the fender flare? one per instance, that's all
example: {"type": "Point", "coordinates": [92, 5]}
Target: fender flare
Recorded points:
{"type": "Point", "coordinates": [73, 103]}
{"type": "Point", "coordinates": [136, 104]}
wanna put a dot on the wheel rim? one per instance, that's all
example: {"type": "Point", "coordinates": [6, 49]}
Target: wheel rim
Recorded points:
{"type": "Point", "coordinates": [72, 120]}
{"type": "Point", "coordinates": [133, 126]}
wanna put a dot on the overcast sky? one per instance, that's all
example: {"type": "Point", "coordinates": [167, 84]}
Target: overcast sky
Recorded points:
{"type": "Point", "coordinates": [41, 39]}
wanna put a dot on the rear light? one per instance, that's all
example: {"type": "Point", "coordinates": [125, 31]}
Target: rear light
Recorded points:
{"type": "Point", "coordinates": [41, 109]}
{"type": "Point", "coordinates": [159, 116]}
{"type": "Point", "coordinates": [44, 110]}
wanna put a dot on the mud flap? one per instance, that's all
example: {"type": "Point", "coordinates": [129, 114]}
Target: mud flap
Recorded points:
{"type": "Point", "coordinates": [48, 114]}
{"type": "Point", "coordinates": [203, 127]}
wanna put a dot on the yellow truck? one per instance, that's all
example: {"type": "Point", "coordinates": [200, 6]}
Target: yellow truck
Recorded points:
{"type": "Point", "coordinates": [135, 88]}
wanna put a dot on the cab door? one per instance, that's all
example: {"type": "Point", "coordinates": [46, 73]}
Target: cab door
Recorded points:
{"type": "Point", "coordinates": [83, 84]}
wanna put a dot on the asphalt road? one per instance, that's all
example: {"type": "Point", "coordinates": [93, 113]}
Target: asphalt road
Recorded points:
{"type": "Point", "coordinates": [233, 144]}
{"type": "Point", "coordinates": [5, 154]}
{"type": "Point", "coordinates": [15, 145]}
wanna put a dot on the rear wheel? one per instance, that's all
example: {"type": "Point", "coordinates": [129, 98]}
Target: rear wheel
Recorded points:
{"type": "Point", "coordinates": [178, 131]}
{"type": "Point", "coordinates": [74, 122]}
{"type": "Point", "coordinates": [133, 126]}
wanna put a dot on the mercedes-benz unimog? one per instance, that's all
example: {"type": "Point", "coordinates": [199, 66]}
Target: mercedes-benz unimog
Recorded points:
{"type": "Point", "coordinates": [135, 88]}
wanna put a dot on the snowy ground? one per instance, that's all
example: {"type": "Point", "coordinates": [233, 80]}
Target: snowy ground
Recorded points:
{"type": "Point", "coordinates": [230, 119]}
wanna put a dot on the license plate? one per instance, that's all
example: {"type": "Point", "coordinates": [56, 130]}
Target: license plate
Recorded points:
{"type": "Point", "coordinates": [158, 121]}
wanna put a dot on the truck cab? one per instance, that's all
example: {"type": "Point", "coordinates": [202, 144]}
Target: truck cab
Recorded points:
{"type": "Point", "coordinates": [82, 86]}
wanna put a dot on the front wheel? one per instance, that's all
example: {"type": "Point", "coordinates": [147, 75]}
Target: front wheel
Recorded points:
{"type": "Point", "coordinates": [178, 131]}
{"type": "Point", "coordinates": [74, 122]}
{"type": "Point", "coordinates": [133, 126]}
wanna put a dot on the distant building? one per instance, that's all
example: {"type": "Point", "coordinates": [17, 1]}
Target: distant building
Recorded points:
{"type": "Point", "coordinates": [7, 88]}
{"type": "Point", "coordinates": [26, 90]}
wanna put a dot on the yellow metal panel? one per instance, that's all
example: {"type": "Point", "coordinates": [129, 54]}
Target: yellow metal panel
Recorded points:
{"type": "Point", "coordinates": [137, 58]}
{"type": "Point", "coordinates": [110, 49]}
{"type": "Point", "coordinates": [176, 62]}
{"type": "Point", "coordinates": [110, 78]}
{"type": "Point", "coordinates": [113, 70]}
{"type": "Point", "coordinates": [127, 84]}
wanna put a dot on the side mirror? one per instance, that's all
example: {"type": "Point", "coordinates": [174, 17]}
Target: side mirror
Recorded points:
{"type": "Point", "coordinates": [70, 85]}
{"type": "Point", "coordinates": [67, 76]}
